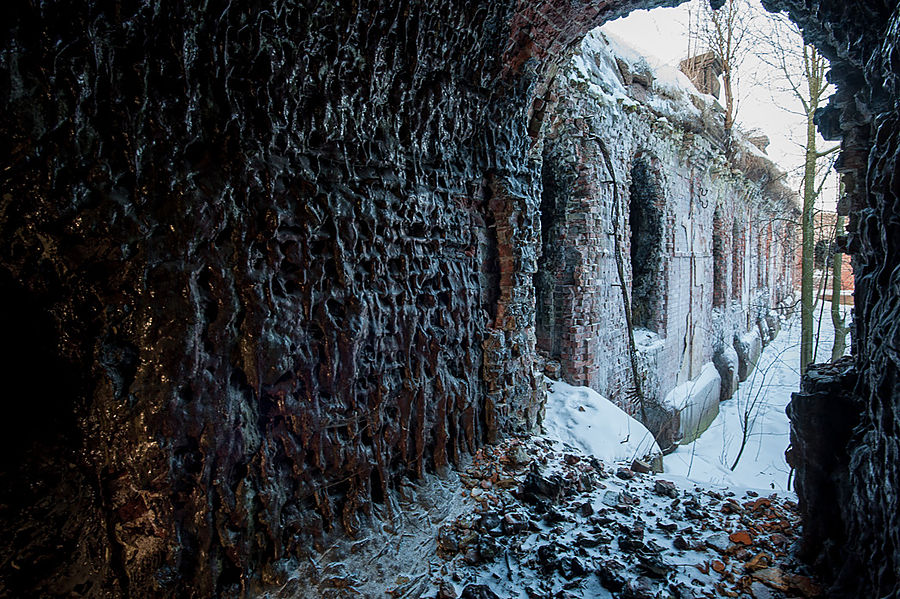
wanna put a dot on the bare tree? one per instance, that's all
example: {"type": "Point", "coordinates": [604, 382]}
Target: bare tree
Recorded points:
{"type": "Point", "coordinates": [803, 70]}
{"type": "Point", "coordinates": [726, 32]}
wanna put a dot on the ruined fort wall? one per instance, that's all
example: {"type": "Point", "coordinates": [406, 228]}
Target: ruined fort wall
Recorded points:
{"type": "Point", "coordinates": [278, 256]}
{"type": "Point", "coordinates": [674, 191]}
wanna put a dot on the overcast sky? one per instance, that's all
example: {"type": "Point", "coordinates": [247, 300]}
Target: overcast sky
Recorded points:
{"type": "Point", "coordinates": [662, 33]}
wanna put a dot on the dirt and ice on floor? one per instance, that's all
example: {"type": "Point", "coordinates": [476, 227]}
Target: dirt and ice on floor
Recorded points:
{"type": "Point", "coordinates": [549, 521]}
{"type": "Point", "coordinates": [580, 513]}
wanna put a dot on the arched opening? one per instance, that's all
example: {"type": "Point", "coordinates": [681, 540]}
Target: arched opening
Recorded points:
{"type": "Point", "coordinates": [394, 115]}
{"type": "Point", "coordinates": [719, 257]}
{"type": "Point", "coordinates": [647, 228]}
{"type": "Point", "coordinates": [551, 275]}
{"type": "Point", "coordinates": [737, 259]}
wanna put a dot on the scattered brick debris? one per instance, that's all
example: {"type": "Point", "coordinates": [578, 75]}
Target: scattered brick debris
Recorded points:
{"type": "Point", "coordinates": [553, 523]}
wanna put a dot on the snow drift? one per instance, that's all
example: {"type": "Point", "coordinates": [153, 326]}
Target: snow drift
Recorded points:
{"type": "Point", "coordinates": [585, 419]}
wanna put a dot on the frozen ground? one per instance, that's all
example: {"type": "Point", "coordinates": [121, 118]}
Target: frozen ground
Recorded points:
{"type": "Point", "coordinates": [552, 522]}
{"type": "Point", "coordinates": [543, 517]}
{"type": "Point", "coordinates": [762, 399]}
{"type": "Point", "coordinates": [584, 419]}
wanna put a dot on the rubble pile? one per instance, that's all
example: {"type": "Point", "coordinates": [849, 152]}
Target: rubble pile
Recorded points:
{"type": "Point", "coordinates": [548, 521]}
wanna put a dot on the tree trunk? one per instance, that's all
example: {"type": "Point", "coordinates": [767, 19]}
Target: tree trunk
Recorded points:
{"type": "Point", "coordinates": [729, 100]}
{"type": "Point", "coordinates": [806, 277]}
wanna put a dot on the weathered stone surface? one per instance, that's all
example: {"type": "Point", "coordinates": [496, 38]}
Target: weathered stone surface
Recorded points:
{"type": "Point", "coordinates": [284, 256]}
{"type": "Point", "coordinates": [823, 416]}
{"type": "Point", "coordinates": [748, 348]}
{"type": "Point", "coordinates": [269, 261]}
{"type": "Point", "coordinates": [699, 404]}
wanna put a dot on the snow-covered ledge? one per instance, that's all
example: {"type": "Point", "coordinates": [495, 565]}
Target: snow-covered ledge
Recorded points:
{"type": "Point", "coordinates": [585, 419]}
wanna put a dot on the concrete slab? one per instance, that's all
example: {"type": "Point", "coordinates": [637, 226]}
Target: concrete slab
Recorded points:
{"type": "Point", "coordinates": [748, 347]}
{"type": "Point", "coordinates": [697, 402]}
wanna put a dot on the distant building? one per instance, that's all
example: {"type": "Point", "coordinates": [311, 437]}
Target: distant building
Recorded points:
{"type": "Point", "coordinates": [825, 227]}
{"type": "Point", "coordinates": [704, 70]}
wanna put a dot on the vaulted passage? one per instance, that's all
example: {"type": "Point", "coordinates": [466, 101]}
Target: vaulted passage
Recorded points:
{"type": "Point", "coordinates": [262, 265]}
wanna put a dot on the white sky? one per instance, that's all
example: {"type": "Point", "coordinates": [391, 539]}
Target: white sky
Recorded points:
{"type": "Point", "coordinates": [663, 34]}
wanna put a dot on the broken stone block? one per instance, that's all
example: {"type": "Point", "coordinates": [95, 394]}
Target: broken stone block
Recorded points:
{"type": "Point", "coordinates": [761, 591]}
{"type": "Point", "coordinates": [641, 466]}
{"type": "Point", "coordinates": [625, 473]}
{"type": "Point", "coordinates": [748, 347]}
{"type": "Point", "coordinates": [763, 328]}
{"type": "Point", "coordinates": [719, 541]}
{"type": "Point", "coordinates": [446, 591]}
{"type": "Point", "coordinates": [640, 588]}
{"type": "Point", "coordinates": [772, 577]}
{"type": "Point", "coordinates": [478, 591]}
{"type": "Point", "coordinates": [696, 402]}
{"type": "Point", "coordinates": [610, 575]}
{"type": "Point", "coordinates": [741, 537]}
{"type": "Point", "coordinates": [665, 488]}
{"type": "Point", "coordinates": [726, 362]}
{"type": "Point", "coordinates": [774, 325]}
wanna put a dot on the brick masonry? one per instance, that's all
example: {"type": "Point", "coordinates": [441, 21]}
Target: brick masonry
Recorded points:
{"type": "Point", "coordinates": [693, 284]}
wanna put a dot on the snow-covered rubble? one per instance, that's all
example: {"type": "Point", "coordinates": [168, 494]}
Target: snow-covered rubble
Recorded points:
{"type": "Point", "coordinates": [538, 517]}
{"type": "Point", "coordinates": [551, 522]}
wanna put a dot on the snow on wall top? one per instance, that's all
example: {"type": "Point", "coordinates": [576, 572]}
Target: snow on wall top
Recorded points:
{"type": "Point", "coordinates": [611, 68]}
{"type": "Point", "coordinates": [615, 73]}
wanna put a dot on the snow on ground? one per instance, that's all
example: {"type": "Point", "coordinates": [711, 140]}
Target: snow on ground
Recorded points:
{"type": "Point", "coordinates": [549, 521]}
{"type": "Point", "coordinates": [762, 398]}
{"type": "Point", "coordinates": [585, 419]}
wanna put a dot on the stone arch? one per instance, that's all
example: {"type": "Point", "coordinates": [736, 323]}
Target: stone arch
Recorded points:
{"type": "Point", "coordinates": [392, 123]}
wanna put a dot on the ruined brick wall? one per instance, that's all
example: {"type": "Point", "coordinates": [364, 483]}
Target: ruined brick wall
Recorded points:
{"type": "Point", "coordinates": [282, 256]}
{"type": "Point", "coordinates": [672, 196]}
